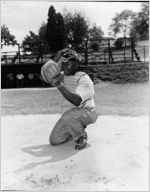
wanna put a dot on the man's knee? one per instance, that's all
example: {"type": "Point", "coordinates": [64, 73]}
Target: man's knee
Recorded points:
{"type": "Point", "coordinates": [68, 116]}
{"type": "Point", "coordinates": [53, 141]}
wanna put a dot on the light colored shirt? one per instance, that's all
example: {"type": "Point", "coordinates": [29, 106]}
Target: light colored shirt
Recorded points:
{"type": "Point", "coordinates": [85, 88]}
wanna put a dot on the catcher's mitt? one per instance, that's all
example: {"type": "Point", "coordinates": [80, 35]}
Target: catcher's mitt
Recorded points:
{"type": "Point", "coordinates": [51, 70]}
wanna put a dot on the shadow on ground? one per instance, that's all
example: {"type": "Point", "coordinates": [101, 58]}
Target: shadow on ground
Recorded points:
{"type": "Point", "coordinates": [54, 153]}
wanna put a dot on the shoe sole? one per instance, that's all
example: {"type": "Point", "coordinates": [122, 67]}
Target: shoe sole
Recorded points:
{"type": "Point", "coordinates": [80, 146]}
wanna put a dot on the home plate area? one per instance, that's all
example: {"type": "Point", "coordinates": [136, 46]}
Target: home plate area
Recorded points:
{"type": "Point", "coordinates": [115, 158]}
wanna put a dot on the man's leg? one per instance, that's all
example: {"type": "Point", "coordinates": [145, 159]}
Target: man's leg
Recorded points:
{"type": "Point", "coordinates": [72, 123]}
{"type": "Point", "coordinates": [59, 133]}
{"type": "Point", "coordinates": [72, 120]}
{"type": "Point", "coordinates": [88, 116]}
{"type": "Point", "coordinates": [76, 120]}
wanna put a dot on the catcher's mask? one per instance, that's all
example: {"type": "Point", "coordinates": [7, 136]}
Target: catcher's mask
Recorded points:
{"type": "Point", "coordinates": [71, 62]}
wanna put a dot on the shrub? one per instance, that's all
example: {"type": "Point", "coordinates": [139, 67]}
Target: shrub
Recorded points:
{"type": "Point", "coordinates": [119, 43]}
{"type": "Point", "coordinates": [95, 46]}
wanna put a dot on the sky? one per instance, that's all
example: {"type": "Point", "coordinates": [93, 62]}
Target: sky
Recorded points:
{"type": "Point", "coordinates": [22, 16]}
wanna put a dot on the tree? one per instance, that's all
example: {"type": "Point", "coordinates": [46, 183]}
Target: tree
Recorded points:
{"type": "Point", "coordinates": [76, 28]}
{"type": "Point", "coordinates": [55, 31]}
{"type": "Point", "coordinates": [36, 43]}
{"type": "Point", "coordinates": [42, 32]}
{"type": "Point", "coordinates": [140, 25]}
{"type": "Point", "coordinates": [95, 46]}
{"type": "Point", "coordinates": [119, 43]}
{"type": "Point", "coordinates": [31, 42]}
{"type": "Point", "coordinates": [122, 22]}
{"type": "Point", "coordinates": [95, 32]}
{"type": "Point", "coordinates": [42, 38]}
{"type": "Point", "coordinates": [6, 37]}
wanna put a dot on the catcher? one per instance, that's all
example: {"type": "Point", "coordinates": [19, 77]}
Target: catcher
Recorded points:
{"type": "Point", "coordinates": [73, 122]}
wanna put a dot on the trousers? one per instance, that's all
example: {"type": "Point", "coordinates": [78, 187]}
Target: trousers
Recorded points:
{"type": "Point", "coordinates": [72, 124]}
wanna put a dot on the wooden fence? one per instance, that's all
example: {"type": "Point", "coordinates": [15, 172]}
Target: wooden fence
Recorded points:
{"type": "Point", "coordinates": [106, 53]}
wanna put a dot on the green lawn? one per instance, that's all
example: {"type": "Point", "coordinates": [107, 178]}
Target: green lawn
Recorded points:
{"type": "Point", "coordinates": [111, 99]}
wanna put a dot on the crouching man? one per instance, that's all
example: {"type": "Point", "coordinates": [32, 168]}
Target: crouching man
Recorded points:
{"type": "Point", "coordinates": [73, 122]}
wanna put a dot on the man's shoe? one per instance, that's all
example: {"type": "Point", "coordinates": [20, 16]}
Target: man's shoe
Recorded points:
{"type": "Point", "coordinates": [81, 142]}
{"type": "Point", "coordinates": [69, 138]}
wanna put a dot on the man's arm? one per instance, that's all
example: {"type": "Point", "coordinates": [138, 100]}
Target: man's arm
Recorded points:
{"type": "Point", "coordinates": [73, 98]}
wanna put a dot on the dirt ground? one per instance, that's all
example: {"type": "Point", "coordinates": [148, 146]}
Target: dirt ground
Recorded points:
{"type": "Point", "coordinates": [116, 156]}
{"type": "Point", "coordinates": [111, 99]}
{"type": "Point", "coordinates": [115, 159]}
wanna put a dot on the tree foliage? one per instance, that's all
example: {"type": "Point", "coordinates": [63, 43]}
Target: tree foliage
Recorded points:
{"type": "Point", "coordinates": [6, 37]}
{"type": "Point", "coordinates": [55, 31]}
{"type": "Point", "coordinates": [36, 43]}
{"type": "Point", "coordinates": [76, 28]}
{"type": "Point", "coordinates": [122, 22]}
{"type": "Point", "coordinates": [31, 42]}
{"type": "Point", "coordinates": [140, 25]}
{"type": "Point", "coordinates": [42, 38]}
{"type": "Point", "coordinates": [60, 31]}
{"type": "Point", "coordinates": [95, 32]}
{"type": "Point", "coordinates": [95, 46]}
{"type": "Point", "coordinates": [42, 32]}
{"type": "Point", "coordinates": [119, 43]}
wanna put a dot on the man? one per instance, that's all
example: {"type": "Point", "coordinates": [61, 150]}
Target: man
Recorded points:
{"type": "Point", "coordinates": [73, 122]}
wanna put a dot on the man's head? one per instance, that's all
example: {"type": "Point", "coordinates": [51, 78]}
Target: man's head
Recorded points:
{"type": "Point", "coordinates": [70, 61]}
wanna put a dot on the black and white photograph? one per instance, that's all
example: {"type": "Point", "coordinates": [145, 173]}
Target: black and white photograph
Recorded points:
{"type": "Point", "coordinates": [74, 95]}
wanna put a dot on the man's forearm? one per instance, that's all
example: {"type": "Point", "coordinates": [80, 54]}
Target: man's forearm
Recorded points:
{"type": "Point", "coordinates": [71, 97]}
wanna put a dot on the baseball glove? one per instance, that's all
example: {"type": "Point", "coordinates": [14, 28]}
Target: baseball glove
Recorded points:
{"type": "Point", "coordinates": [51, 73]}
{"type": "Point", "coordinates": [51, 70]}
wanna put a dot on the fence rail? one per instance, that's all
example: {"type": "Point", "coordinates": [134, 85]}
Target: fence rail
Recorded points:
{"type": "Point", "coordinates": [106, 52]}
{"type": "Point", "coordinates": [109, 53]}
{"type": "Point", "coordinates": [21, 69]}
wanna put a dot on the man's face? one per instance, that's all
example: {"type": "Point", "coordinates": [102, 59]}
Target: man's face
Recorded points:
{"type": "Point", "coordinates": [70, 68]}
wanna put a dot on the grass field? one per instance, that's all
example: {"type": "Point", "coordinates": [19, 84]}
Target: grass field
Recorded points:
{"type": "Point", "coordinates": [111, 99]}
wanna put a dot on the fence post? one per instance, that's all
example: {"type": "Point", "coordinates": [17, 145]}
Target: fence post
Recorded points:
{"type": "Point", "coordinates": [86, 51]}
{"type": "Point", "coordinates": [132, 49]}
{"type": "Point", "coordinates": [109, 49]}
{"type": "Point", "coordinates": [124, 55]}
{"type": "Point", "coordinates": [124, 49]}
{"type": "Point", "coordinates": [144, 54]}
{"type": "Point", "coordinates": [19, 53]}
{"type": "Point", "coordinates": [104, 54]}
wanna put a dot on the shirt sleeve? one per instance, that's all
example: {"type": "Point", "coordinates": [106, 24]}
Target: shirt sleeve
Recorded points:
{"type": "Point", "coordinates": [85, 89]}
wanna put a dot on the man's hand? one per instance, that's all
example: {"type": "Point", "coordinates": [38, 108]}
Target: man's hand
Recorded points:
{"type": "Point", "coordinates": [57, 79]}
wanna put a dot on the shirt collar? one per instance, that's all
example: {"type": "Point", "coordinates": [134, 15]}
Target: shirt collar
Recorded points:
{"type": "Point", "coordinates": [79, 75]}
